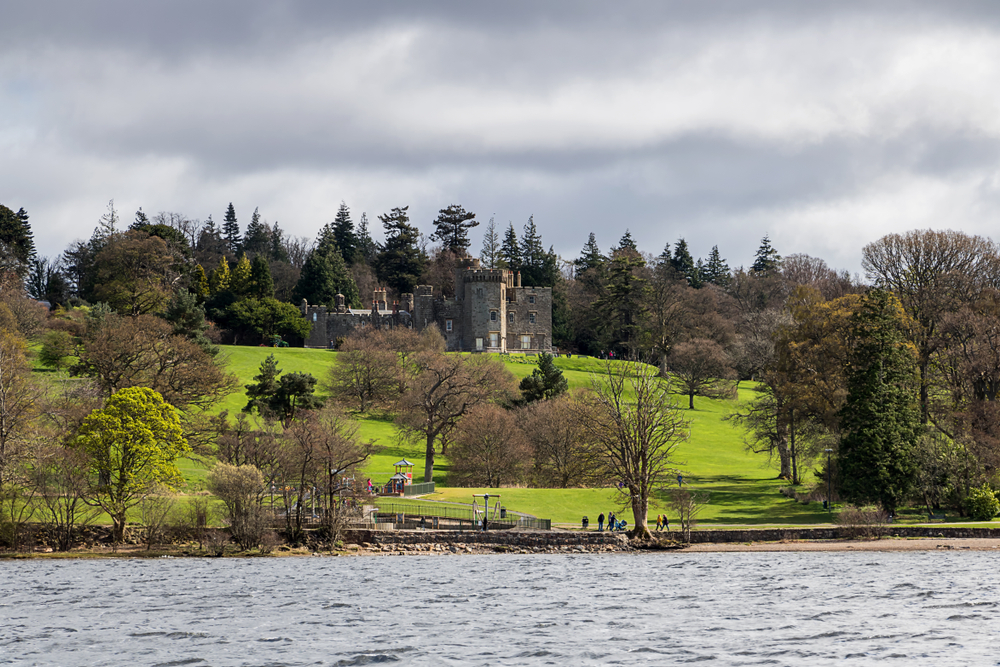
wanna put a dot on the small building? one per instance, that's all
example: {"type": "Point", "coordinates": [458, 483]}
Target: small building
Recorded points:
{"type": "Point", "coordinates": [402, 478]}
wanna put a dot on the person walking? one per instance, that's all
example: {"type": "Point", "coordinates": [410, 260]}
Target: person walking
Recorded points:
{"type": "Point", "coordinates": [666, 522]}
{"type": "Point", "coordinates": [659, 522]}
{"type": "Point", "coordinates": [611, 521]}
{"type": "Point", "coordinates": [600, 522]}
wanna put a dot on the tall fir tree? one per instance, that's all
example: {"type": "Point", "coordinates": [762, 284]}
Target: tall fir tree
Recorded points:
{"type": "Point", "coordinates": [716, 271]}
{"type": "Point", "coordinates": [367, 248]}
{"type": "Point", "coordinates": [532, 255]}
{"type": "Point", "coordinates": [219, 278]}
{"type": "Point", "coordinates": [141, 219]}
{"type": "Point", "coordinates": [510, 250]}
{"type": "Point", "coordinates": [590, 257]}
{"type": "Point", "coordinates": [880, 420]}
{"type": "Point", "coordinates": [344, 235]}
{"type": "Point", "coordinates": [323, 276]}
{"type": "Point", "coordinates": [16, 236]}
{"type": "Point", "coordinates": [452, 227]}
{"type": "Point", "coordinates": [278, 252]}
{"type": "Point", "coordinates": [683, 263]}
{"type": "Point", "coordinates": [261, 285]}
{"type": "Point", "coordinates": [239, 280]}
{"type": "Point", "coordinates": [489, 256]}
{"type": "Point", "coordinates": [257, 239]}
{"type": "Point", "coordinates": [767, 260]}
{"type": "Point", "coordinates": [231, 231]}
{"type": "Point", "coordinates": [401, 262]}
{"type": "Point", "coordinates": [627, 242]}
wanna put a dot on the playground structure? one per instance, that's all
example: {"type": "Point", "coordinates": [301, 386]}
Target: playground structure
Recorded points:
{"type": "Point", "coordinates": [401, 478]}
{"type": "Point", "coordinates": [481, 514]}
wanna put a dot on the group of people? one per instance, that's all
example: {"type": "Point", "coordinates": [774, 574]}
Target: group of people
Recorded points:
{"type": "Point", "coordinates": [662, 522]}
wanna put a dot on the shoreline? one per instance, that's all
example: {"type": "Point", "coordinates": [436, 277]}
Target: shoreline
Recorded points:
{"type": "Point", "coordinates": [885, 544]}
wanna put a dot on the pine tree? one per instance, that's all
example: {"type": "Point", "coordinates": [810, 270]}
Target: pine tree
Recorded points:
{"type": "Point", "coordinates": [16, 236]}
{"type": "Point", "coordinates": [199, 282]}
{"type": "Point", "coordinates": [545, 382]}
{"type": "Point", "coordinates": [716, 270]}
{"type": "Point", "coordinates": [452, 228]}
{"type": "Point", "coordinates": [683, 263]}
{"type": "Point", "coordinates": [767, 259]}
{"type": "Point", "coordinates": [344, 236]}
{"type": "Point", "coordinates": [532, 256]}
{"type": "Point", "coordinates": [880, 420]}
{"type": "Point", "coordinates": [490, 254]}
{"type": "Point", "coordinates": [261, 285]}
{"type": "Point", "coordinates": [323, 276]}
{"type": "Point", "coordinates": [510, 250]}
{"type": "Point", "coordinates": [627, 242]}
{"type": "Point", "coordinates": [278, 252]}
{"type": "Point", "coordinates": [590, 257]}
{"type": "Point", "coordinates": [257, 240]}
{"type": "Point", "coordinates": [141, 219]}
{"type": "Point", "coordinates": [231, 231]}
{"type": "Point", "coordinates": [401, 261]}
{"type": "Point", "coordinates": [367, 248]}
{"type": "Point", "coordinates": [239, 281]}
{"type": "Point", "coordinates": [218, 280]}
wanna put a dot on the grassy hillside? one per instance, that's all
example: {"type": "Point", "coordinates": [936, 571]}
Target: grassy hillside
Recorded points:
{"type": "Point", "coordinates": [741, 488]}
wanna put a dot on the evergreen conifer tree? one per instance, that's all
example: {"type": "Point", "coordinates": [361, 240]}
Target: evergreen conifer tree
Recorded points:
{"type": "Point", "coordinates": [452, 228]}
{"type": "Point", "coordinates": [510, 250]}
{"type": "Point", "coordinates": [590, 257]}
{"type": "Point", "coordinates": [231, 231]}
{"type": "Point", "coordinates": [367, 248]}
{"type": "Point", "coordinates": [880, 420]}
{"type": "Point", "coordinates": [323, 276]}
{"type": "Point", "coordinates": [218, 280]}
{"type": "Point", "coordinates": [545, 382]}
{"type": "Point", "coordinates": [533, 256]}
{"type": "Point", "coordinates": [402, 261]}
{"type": "Point", "coordinates": [261, 285]}
{"type": "Point", "coordinates": [716, 271]}
{"type": "Point", "coordinates": [257, 240]}
{"type": "Point", "coordinates": [16, 236]}
{"type": "Point", "coordinates": [767, 259]}
{"type": "Point", "coordinates": [278, 253]}
{"type": "Point", "coordinates": [490, 254]}
{"type": "Point", "coordinates": [627, 242]}
{"type": "Point", "coordinates": [239, 280]}
{"type": "Point", "coordinates": [344, 236]}
{"type": "Point", "coordinates": [683, 263]}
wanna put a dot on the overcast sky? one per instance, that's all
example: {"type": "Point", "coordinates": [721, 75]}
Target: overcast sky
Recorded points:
{"type": "Point", "coordinates": [824, 125]}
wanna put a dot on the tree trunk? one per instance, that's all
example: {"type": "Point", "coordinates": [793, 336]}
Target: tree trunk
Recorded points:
{"type": "Point", "coordinates": [429, 460]}
{"type": "Point", "coordinates": [640, 512]}
{"type": "Point", "coordinates": [691, 401]}
{"type": "Point", "coordinates": [118, 529]}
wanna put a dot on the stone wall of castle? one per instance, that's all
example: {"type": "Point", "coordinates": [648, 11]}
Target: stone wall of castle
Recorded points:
{"type": "Point", "coordinates": [491, 312]}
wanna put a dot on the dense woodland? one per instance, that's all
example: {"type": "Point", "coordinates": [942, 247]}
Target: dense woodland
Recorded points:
{"type": "Point", "coordinates": [893, 379]}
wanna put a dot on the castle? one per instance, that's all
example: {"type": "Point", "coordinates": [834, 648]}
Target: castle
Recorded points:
{"type": "Point", "coordinates": [491, 312]}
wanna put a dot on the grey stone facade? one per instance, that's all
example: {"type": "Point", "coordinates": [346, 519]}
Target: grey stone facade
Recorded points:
{"type": "Point", "coordinates": [491, 312]}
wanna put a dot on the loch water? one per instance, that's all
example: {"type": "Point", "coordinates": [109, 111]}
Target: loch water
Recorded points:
{"type": "Point", "coordinates": [915, 608]}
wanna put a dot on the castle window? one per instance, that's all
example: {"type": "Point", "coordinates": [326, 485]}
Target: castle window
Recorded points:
{"type": "Point", "coordinates": [479, 344]}
{"type": "Point", "coordinates": [525, 342]}
{"type": "Point", "coordinates": [531, 299]}
{"type": "Point", "coordinates": [447, 325]}
{"type": "Point", "coordinates": [493, 316]}
{"type": "Point", "coordinates": [494, 340]}
{"type": "Point", "coordinates": [314, 317]}
{"type": "Point", "coordinates": [510, 318]}
{"type": "Point", "coordinates": [531, 317]}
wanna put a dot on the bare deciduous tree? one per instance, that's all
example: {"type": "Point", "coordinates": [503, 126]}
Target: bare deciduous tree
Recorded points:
{"type": "Point", "coordinates": [636, 428]}
{"type": "Point", "coordinates": [490, 449]}
{"type": "Point", "coordinates": [241, 490]}
{"type": "Point", "coordinates": [564, 456]}
{"type": "Point", "coordinates": [442, 389]}
{"type": "Point", "coordinates": [699, 367]}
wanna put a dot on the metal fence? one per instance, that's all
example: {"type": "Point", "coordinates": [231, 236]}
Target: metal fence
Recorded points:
{"type": "Point", "coordinates": [418, 489]}
{"type": "Point", "coordinates": [423, 515]}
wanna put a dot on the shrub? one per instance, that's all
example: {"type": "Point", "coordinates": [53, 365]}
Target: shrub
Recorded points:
{"type": "Point", "coordinates": [982, 504]}
{"type": "Point", "coordinates": [867, 523]}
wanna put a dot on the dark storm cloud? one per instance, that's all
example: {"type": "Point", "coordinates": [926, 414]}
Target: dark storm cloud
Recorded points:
{"type": "Point", "coordinates": [822, 124]}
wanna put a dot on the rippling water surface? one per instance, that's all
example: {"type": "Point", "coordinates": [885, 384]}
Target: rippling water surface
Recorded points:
{"type": "Point", "coordinates": [653, 609]}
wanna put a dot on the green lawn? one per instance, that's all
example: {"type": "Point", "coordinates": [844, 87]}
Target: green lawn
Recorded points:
{"type": "Point", "coordinates": [740, 487]}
